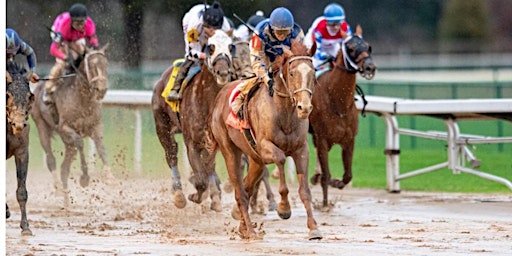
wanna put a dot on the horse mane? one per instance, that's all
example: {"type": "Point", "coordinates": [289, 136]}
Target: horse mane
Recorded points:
{"type": "Point", "coordinates": [15, 68]}
{"type": "Point", "coordinates": [298, 48]}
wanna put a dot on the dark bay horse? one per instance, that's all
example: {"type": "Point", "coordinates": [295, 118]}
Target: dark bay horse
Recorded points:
{"type": "Point", "coordinates": [334, 119]}
{"type": "Point", "coordinates": [195, 106]}
{"type": "Point", "coordinates": [74, 115]}
{"type": "Point", "coordinates": [279, 122]}
{"type": "Point", "coordinates": [18, 103]}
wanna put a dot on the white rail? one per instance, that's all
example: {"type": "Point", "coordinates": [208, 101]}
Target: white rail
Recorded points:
{"type": "Point", "coordinates": [458, 154]}
{"type": "Point", "coordinates": [450, 111]}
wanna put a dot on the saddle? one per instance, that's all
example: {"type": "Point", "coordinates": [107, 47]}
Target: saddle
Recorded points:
{"type": "Point", "coordinates": [194, 70]}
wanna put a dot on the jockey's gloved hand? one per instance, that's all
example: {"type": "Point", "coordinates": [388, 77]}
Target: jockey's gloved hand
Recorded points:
{"type": "Point", "coordinates": [57, 37]}
{"type": "Point", "coordinates": [34, 78]}
{"type": "Point", "coordinates": [70, 60]}
{"type": "Point", "coordinates": [270, 84]}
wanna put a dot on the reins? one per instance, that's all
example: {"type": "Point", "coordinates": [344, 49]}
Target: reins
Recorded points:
{"type": "Point", "coordinates": [288, 93]}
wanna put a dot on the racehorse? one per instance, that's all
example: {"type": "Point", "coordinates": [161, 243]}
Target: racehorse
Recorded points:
{"type": "Point", "coordinates": [18, 103]}
{"type": "Point", "coordinates": [279, 123]}
{"type": "Point", "coordinates": [334, 119]}
{"type": "Point", "coordinates": [74, 115]}
{"type": "Point", "coordinates": [197, 99]}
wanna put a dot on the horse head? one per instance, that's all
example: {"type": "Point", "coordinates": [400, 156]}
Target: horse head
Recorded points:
{"type": "Point", "coordinates": [94, 69]}
{"type": "Point", "coordinates": [355, 55]}
{"type": "Point", "coordinates": [19, 98]}
{"type": "Point", "coordinates": [220, 52]}
{"type": "Point", "coordinates": [297, 76]}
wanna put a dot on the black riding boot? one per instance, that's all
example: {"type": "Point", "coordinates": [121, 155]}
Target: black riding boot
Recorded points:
{"type": "Point", "coordinates": [180, 77]}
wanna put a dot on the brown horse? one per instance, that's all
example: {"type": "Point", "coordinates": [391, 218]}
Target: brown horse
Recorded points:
{"type": "Point", "coordinates": [195, 106]}
{"type": "Point", "coordinates": [75, 114]}
{"type": "Point", "coordinates": [18, 103]}
{"type": "Point", "coordinates": [168, 123]}
{"type": "Point", "coordinates": [279, 122]}
{"type": "Point", "coordinates": [334, 120]}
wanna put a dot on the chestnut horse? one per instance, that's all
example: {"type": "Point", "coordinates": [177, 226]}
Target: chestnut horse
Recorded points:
{"type": "Point", "coordinates": [334, 119]}
{"type": "Point", "coordinates": [74, 115]}
{"type": "Point", "coordinates": [198, 97]}
{"type": "Point", "coordinates": [279, 123]}
{"type": "Point", "coordinates": [18, 103]}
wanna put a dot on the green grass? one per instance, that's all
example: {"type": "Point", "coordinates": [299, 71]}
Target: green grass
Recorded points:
{"type": "Point", "coordinates": [369, 165]}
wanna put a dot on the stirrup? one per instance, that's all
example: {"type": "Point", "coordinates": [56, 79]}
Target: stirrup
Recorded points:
{"type": "Point", "coordinates": [173, 96]}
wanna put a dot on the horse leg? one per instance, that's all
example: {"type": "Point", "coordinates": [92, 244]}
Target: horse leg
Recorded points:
{"type": "Point", "coordinates": [276, 155]}
{"type": "Point", "coordinates": [215, 192]}
{"type": "Point", "coordinates": [84, 178]}
{"type": "Point", "coordinates": [347, 156]}
{"type": "Point", "coordinates": [322, 154]}
{"type": "Point", "coordinates": [301, 163]}
{"type": "Point", "coordinates": [272, 205]}
{"type": "Point", "coordinates": [165, 133]}
{"type": "Point", "coordinates": [21, 191]}
{"type": "Point", "coordinates": [45, 136]}
{"type": "Point", "coordinates": [199, 177]}
{"type": "Point", "coordinates": [253, 202]}
{"type": "Point", "coordinates": [254, 174]}
{"type": "Point", "coordinates": [69, 155]}
{"type": "Point", "coordinates": [97, 137]}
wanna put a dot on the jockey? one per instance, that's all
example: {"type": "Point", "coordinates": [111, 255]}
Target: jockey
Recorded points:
{"type": "Point", "coordinates": [72, 26]}
{"type": "Point", "coordinates": [243, 33]}
{"type": "Point", "coordinates": [14, 45]}
{"type": "Point", "coordinates": [199, 24]}
{"type": "Point", "coordinates": [326, 33]}
{"type": "Point", "coordinates": [274, 34]}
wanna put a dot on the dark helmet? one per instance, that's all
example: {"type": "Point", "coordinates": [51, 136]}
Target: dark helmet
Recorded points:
{"type": "Point", "coordinates": [214, 16]}
{"type": "Point", "coordinates": [78, 11]}
{"type": "Point", "coordinates": [13, 41]}
{"type": "Point", "coordinates": [281, 18]}
{"type": "Point", "coordinates": [255, 19]}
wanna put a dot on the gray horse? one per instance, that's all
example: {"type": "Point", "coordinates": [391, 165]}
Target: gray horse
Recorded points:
{"type": "Point", "coordinates": [74, 115]}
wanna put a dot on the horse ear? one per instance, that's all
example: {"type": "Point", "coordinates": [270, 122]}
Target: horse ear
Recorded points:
{"type": "Point", "coordinates": [104, 47]}
{"type": "Point", "coordinates": [312, 50]}
{"type": "Point", "coordinates": [359, 30]}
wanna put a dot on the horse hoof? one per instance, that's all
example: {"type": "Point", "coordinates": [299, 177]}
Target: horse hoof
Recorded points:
{"type": "Point", "coordinates": [26, 232]}
{"type": "Point", "coordinates": [235, 213]}
{"type": "Point", "coordinates": [316, 178]}
{"type": "Point", "coordinates": [272, 206]}
{"type": "Point", "coordinates": [228, 187]}
{"type": "Point", "coordinates": [337, 183]}
{"type": "Point", "coordinates": [179, 199]}
{"type": "Point", "coordinates": [196, 198]}
{"type": "Point", "coordinates": [315, 235]}
{"type": "Point", "coordinates": [216, 204]}
{"type": "Point", "coordinates": [275, 174]}
{"type": "Point", "coordinates": [284, 211]}
{"type": "Point", "coordinates": [84, 181]}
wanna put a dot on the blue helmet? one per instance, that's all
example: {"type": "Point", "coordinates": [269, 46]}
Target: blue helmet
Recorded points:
{"type": "Point", "coordinates": [334, 13]}
{"type": "Point", "coordinates": [281, 18]}
{"type": "Point", "coordinates": [13, 41]}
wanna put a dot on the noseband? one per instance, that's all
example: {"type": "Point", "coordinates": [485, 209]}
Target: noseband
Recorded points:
{"type": "Point", "coordinates": [290, 94]}
{"type": "Point", "coordinates": [351, 65]}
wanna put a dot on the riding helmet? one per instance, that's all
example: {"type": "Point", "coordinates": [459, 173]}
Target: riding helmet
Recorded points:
{"type": "Point", "coordinates": [78, 11]}
{"type": "Point", "coordinates": [13, 41]}
{"type": "Point", "coordinates": [214, 16]}
{"type": "Point", "coordinates": [255, 19]}
{"type": "Point", "coordinates": [281, 19]}
{"type": "Point", "coordinates": [334, 13]}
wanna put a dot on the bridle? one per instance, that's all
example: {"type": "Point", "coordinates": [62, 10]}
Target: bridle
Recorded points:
{"type": "Point", "coordinates": [352, 65]}
{"type": "Point", "coordinates": [288, 93]}
{"type": "Point", "coordinates": [100, 76]}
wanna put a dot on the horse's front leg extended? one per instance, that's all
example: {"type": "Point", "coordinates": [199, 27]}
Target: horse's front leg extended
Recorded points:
{"type": "Point", "coordinates": [200, 176]}
{"type": "Point", "coordinates": [270, 152]}
{"type": "Point", "coordinates": [84, 178]}
{"type": "Point", "coordinates": [97, 137]}
{"type": "Point", "coordinates": [21, 191]}
{"type": "Point", "coordinates": [301, 158]}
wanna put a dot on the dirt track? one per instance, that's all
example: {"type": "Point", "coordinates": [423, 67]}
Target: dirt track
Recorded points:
{"type": "Point", "coordinates": [137, 217]}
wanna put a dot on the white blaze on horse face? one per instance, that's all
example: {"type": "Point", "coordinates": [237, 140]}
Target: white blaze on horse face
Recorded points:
{"type": "Point", "coordinates": [306, 73]}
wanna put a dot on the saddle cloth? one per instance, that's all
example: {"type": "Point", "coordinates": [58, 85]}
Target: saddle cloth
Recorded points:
{"type": "Point", "coordinates": [239, 90]}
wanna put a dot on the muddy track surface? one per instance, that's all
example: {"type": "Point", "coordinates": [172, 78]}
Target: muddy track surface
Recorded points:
{"type": "Point", "coordinates": [136, 216]}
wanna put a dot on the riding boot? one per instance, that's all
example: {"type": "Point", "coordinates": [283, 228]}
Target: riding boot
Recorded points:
{"type": "Point", "coordinates": [175, 94]}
